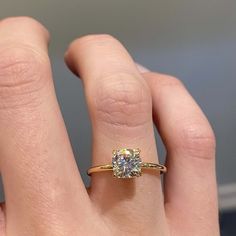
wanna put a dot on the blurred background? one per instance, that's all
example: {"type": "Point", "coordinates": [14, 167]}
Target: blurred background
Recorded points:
{"type": "Point", "coordinates": [192, 40]}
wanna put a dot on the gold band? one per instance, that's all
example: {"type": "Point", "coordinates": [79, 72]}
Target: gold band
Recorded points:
{"type": "Point", "coordinates": [144, 165]}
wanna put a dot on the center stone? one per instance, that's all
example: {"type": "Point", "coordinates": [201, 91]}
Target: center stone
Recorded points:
{"type": "Point", "coordinates": [126, 163]}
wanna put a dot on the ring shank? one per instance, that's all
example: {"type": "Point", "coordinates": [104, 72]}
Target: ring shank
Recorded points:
{"type": "Point", "coordinates": [144, 165]}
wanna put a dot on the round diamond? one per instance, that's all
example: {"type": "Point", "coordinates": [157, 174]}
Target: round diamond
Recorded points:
{"type": "Point", "coordinates": [126, 163]}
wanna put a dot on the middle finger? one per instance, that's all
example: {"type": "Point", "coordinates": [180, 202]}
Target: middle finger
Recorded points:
{"type": "Point", "coordinates": [120, 108]}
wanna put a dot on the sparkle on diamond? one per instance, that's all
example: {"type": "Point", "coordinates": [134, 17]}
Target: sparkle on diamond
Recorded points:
{"type": "Point", "coordinates": [126, 163]}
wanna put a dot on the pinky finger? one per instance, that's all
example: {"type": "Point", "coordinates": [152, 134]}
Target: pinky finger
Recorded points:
{"type": "Point", "coordinates": [190, 184]}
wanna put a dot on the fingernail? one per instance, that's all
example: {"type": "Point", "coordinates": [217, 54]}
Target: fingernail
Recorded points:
{"type": "Point", "coordinates": [141, 68]}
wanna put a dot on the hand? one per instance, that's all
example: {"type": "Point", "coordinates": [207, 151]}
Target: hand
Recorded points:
{"type": "Point", "coordinates": [45, 195]}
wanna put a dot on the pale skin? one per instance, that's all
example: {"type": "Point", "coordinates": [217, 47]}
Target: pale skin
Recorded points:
{"type": "Point", "coordinates": [44, 192]}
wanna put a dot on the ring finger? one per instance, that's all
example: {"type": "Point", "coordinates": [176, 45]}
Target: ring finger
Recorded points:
{"type": "Point", "coordinates": [120, 108]}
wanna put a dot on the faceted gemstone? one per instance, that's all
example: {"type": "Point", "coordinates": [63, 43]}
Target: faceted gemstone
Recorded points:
{"type": "Point", "coordinates": [126, 163]}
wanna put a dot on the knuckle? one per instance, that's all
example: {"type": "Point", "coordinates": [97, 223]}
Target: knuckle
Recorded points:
{"type": "Point", "coordinates": [163, 81]}
{"type": "Point", "coordinates": [25, 21]}
{"type": "Point", "coordinates": [122, 100]}
{"type": "Point", "coordinates": [168, 80]}
{"type": "Point", "coordinates": [22, 71]}
{"type": "Point", "coordinates": [17, 19]}
{"type": "Point", "coordinates": [12, 20]}
{"type": "Point", "coordinates": [93, 39]}
{"type": "Point", "coordinates": [198, 140]}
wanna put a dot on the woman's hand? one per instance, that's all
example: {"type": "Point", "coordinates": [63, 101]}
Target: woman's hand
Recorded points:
{"type": "Point", "coordinates": [45, 195]}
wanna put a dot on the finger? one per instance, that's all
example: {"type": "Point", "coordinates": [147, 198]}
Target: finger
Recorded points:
{"type": "Point", "coordinates": [37, 165]}
{"type": "Point", "coordinates": [2, 219]}
{"type": "Point", "coordinates": [120, 108]}
{"type": "Point", "coordinates": [190, 184]}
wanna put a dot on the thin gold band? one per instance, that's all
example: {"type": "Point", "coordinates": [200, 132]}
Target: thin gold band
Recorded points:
{"type": "Point", "coordinates": [144, 165]}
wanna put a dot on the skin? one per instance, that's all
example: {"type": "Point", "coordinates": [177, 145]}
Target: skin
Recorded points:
{"type": "Point", "coordinates": [44, 193]}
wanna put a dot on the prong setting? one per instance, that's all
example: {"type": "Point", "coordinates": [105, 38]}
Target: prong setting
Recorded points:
{"type": "Point", "coordinates": [126, 163]}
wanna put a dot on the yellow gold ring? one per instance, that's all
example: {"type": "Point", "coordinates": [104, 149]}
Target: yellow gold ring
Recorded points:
{"type": "Point", "coordinates": [127, 163]}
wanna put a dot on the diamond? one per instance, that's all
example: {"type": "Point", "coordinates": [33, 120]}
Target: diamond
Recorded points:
{"type": "Point", "coordinates": [126, 163]}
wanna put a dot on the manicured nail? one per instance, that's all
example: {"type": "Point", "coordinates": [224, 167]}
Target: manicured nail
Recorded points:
{"type": "Point", "coordinates": [141, 68]}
